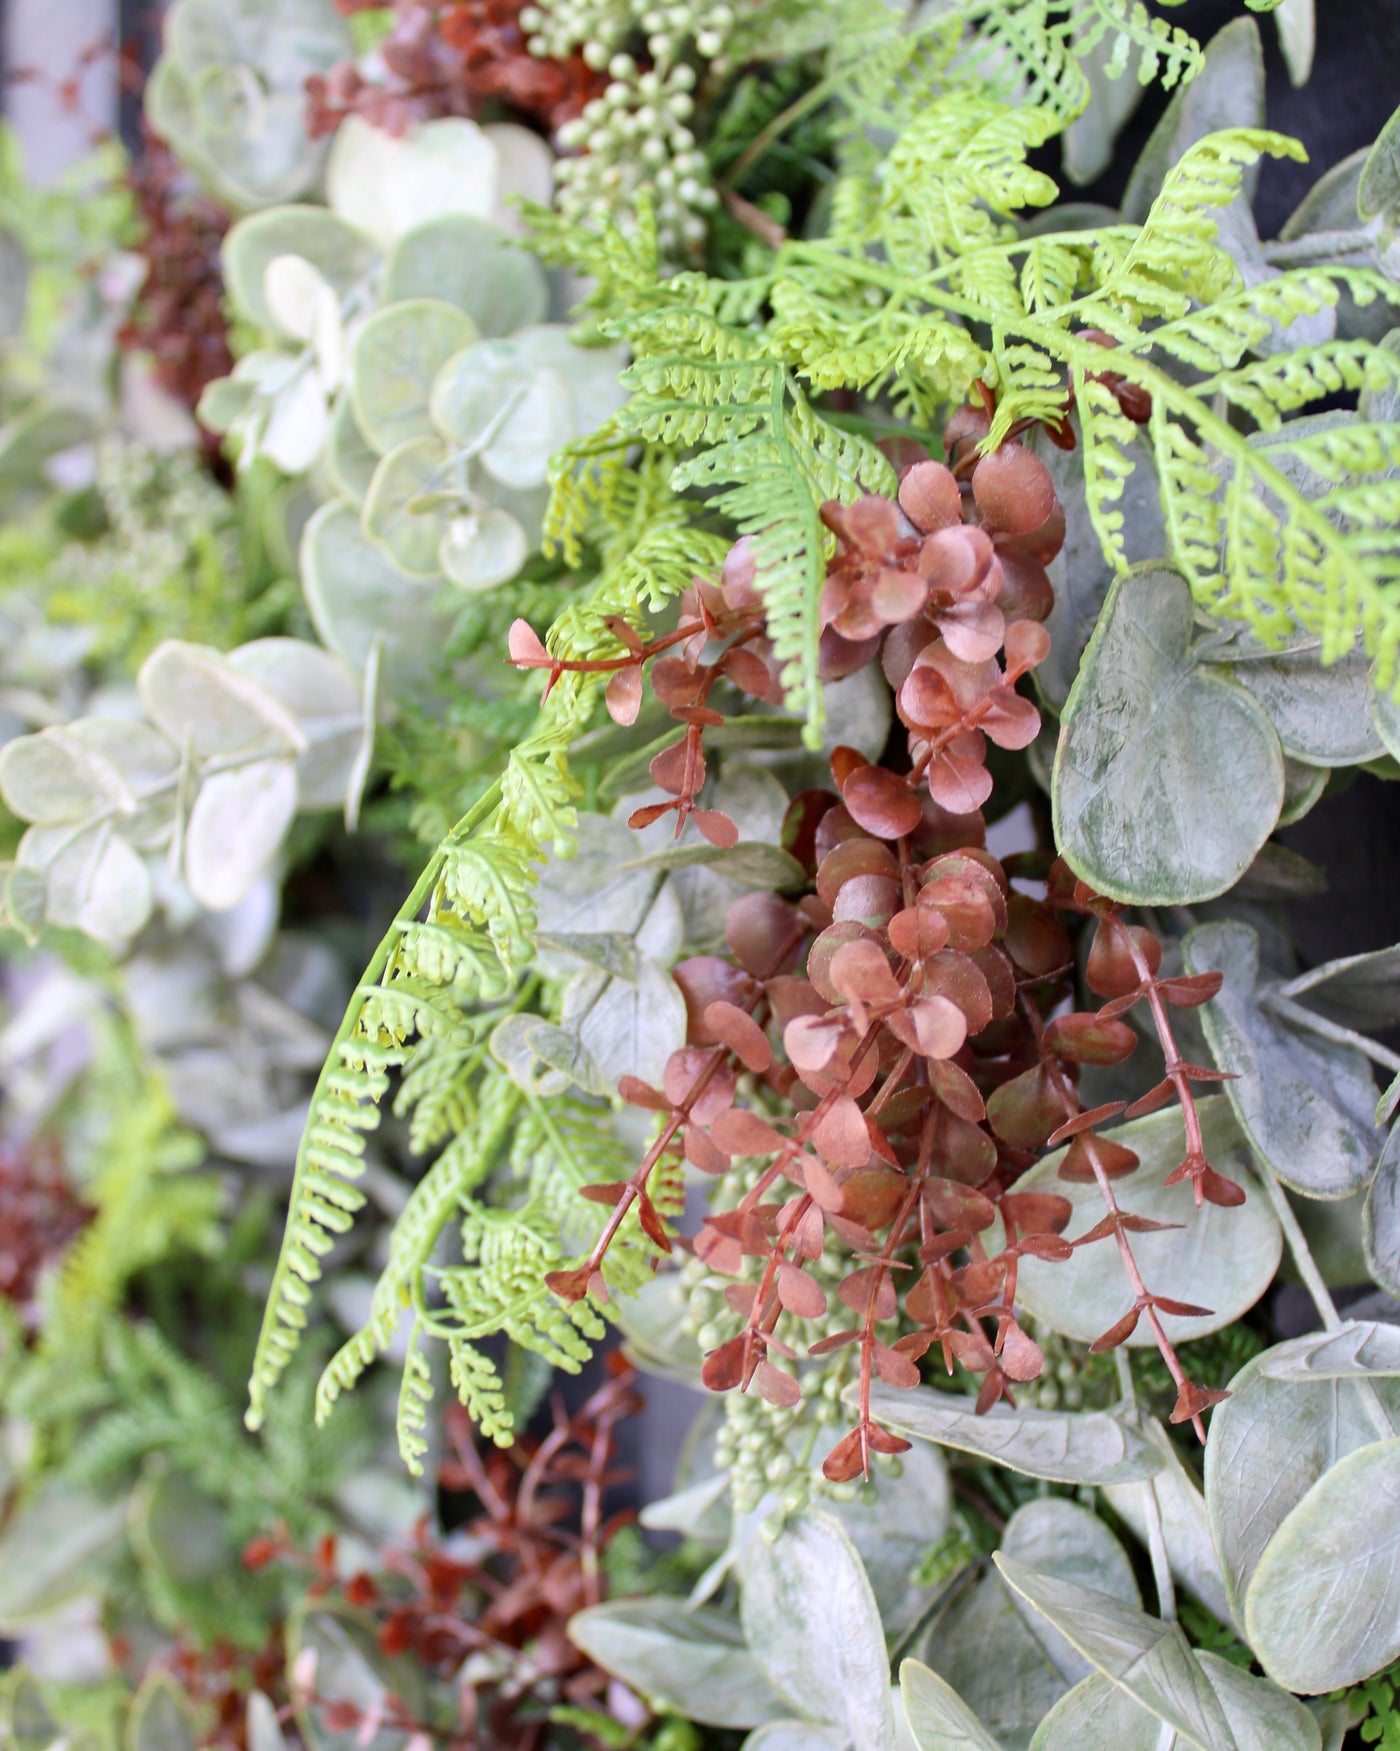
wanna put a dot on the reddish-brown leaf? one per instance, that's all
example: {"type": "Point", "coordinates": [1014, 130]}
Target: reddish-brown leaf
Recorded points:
{"type": "Point", "coordinates": [741, 1132]}
{"type": "Point", "coordinates": [1021, 1357]}
{"type": "Point", "coordinates": [1114, 1158]}
{"type": "Point", "coordinates": [837, 1341]}
{"type": "Point", "coordinates": [881, 802]}
{"type": "Point", "coordinates": [1182, 1309]}
{"type": "Point", "coordinates": [608, 1194]}
{"type": "Point", "coordinates": [883, 1441]}
{"type": "Point", "coordinates": [702, 1153]}
{"type": "Point", "coordinates": [934, 1027]}
{"type": "Point", "coordinates": [717, 827]}
{"type": "Point", "coordinates": [1192, 1400]}
{"type": "Point", "coordinates": [814, 1176]}
{"type": "Point", "coordinates": [707, 979]}
{"type": "Point", "coordinates": [741, 1034]}
{"type": "Point", "coordinates": [1085, 1039]}
{"type": "Point", "coordinates": [956, 1089]}
{"type": "Point", "coordinates": [811, 1042]}
{"type": "Point", "coordinates": [894, 1368]}
{"type": "Point", "coordinates": [680, 769]}
{"type": "Point", "coordinates": [764, 933]}
{"type": "Point", "coordinates": [1037, 1212]}
{"type": "Point", "coordinates": [1111, 970]}
{"type": "Point", "coordinates": [1085, 1121]}
{"type": "Point", "coordinates": [798, 1293]}
{"type": "Point", "coordinates": [972, 1349]}
{"type": "Point", "coordinates": [930, 497]}
{"type": "Point", "coordinates": [624, 696]}
{"type": "Point", "coordinates": [698, 1077]}
{"type": "Point", "coordinates": [846, 1459]}
{"type": "Point", "coordinates": [1034, 938]}
{"type": "Point", "coordinates": [1027, 645]}
{"type": "Point", "coordinates": [644, 816]}
{"type": "Point", "coordinates": [641, 1094]}
{"type": "Point", "coordinates": [778, 1388]}
{"type": "Point", "coordinates": [1189, 990]}
{"type": "Point", "coordinates": [841, 1135]}
{"type": "Point", "coordinates": [569, 1285]}
{"type": "Point", "coordinates": [724, 1367]}
{"type": "Point", "coordinates": [526, 650]}
{"type": "Point", "coordinates": [953, 1205]}
{"type": "Point", "coordinates": [1013, 490]}
{"type": "Point", "coordinates": [870, 1281]}
{"type": "Point", "coordinates": [652, 1225]}
{"type": "Point", "coordinates": [1024, 1111]}
{"type": "Point", "coordinates": [1118, 1333]}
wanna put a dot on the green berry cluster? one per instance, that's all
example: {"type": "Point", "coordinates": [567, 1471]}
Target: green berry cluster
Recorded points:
{"type": "Point", "coordinates": [636, 135]}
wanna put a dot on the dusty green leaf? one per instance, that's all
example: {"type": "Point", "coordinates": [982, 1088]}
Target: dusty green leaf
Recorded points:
{"type": "Point", "coordinates": [161, 1718]}
{"type": "Point", "coordinates": [1008, 1694]}
{"type": "Point", "coordinates": [387, 186]}
{"type": "Point", "coordinates": [750, 863]}
{"type": "Point", "coordinates": [811, 1622]}
{"type": "Point", "coordinates": [391, 515]}
{"type": "Point", "coordinates": [342, 255]}
{"type": "Point", "coordinates": [1181, 1509]}
{"type": "Point", "coordinates": [1271, 1441]}
{"type": "Point", "coordinates": [1323, 1608]}
{"type": "Point", "coordinates": [1149, 1659]}
{"type": "Point", "coordinates": [1378, 191]}
{"type": "Point", "coordinates": [53, 1548]}
{"type": "Point", "coordinates": [1151, 740]}
{"type": "Point", "coordinates": [1081, 1447]}
{"type": "Point", "coordinates": [473, 264]}
{"type": "Point", "coordinates": [1225, 1258]}
{"type": "Point", "coordinates": [1060, 1538]}
{"type": "Point", "coordinates": [395, 358]}
{"type": "Point", "coordinates": [1381, 1217]}
{"type": "Point", "coordinates": [1305, 1103]}
{"type": "Point", "coordinates": [1321, 713]}
{"type": "Point", "coordinates": [937, 1716]}
{"type": "Point", "coordinates": [195, 695]}
{"type": "Point", "coordinates": [691, 1661]}
{"type": "Point", "coordinates": [1358, 1348]}
{"type": "Point", "coordinates": [1358, 991]}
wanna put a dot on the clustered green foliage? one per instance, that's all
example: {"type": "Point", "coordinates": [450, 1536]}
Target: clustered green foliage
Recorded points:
{"type": "Point", "coordinates": [815, 245]}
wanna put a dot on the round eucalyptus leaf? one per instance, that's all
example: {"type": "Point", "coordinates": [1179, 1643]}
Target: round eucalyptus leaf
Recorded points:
{"type": "Point", "coordinates": [937, 1717]}
{"type": "Point", "coordinates": [342, 1648]}
{"type": "Point", "coordinates": [295, 433]}
{"type": "Point", "coordinates": [1226, 1258]}
{"type": "Point", "coordinates": [1358, 991]}
{"type": "Point", "coordinates": [1378, 188]}
{"type": "Point", "coordinates": [195, 695]}
{"type": "Point", "coordinates": [476, 388]}
{"type": "Point", "coordinates": [53, 776]}
{"type": "Point", "coordinates": [1303, 786]}
{"type": "Point", "coordinates": [238, 821]}
{"type": "Point", "coordinates": [386, 186]}
{"type": "Point", "coordinates": [473, 264]}
{"type": "Point", "coordinates": [409, 536]}
{"type": "Point", "coordinates": [394, 360]}
{"type": "Point", "coordinates": [1323, 1608]}
{"type": "Point", "coordinates": [481, 549]}
{"type": "Point", "coordinates": [1321, 712]}
{"type": "Point", "coordinates": [592, 373]}
{"type": "Point", "coordinates": [1168, 778]}
{"type": "Point", "coordinates": [95, 883]}
{"type": "Point", "coordinates": [1262, 1717]}
{"type": "Point", "coordinates": [319, 690]}
{"type": "Point", "coordinates": [1381, 1218]}
{"type": "Point", "coordinates": [306, 308]}
{"type": "Point", "coordinates": [1185, 1525]}
{"type": "Point", "coordinates": [1330, 204]}
{"type": "Point", "coordinates": [655, 1324]}
{"type": "Point", "coordinates": [1305, 1103]}
{"type": "Point", "coordinates": [358, 598]}
{"type": "Point", "coordinates": [341, 255]}
{"type": "Point", "coordinates": [1385, 714]}
{"type": "Point", "coordinates": [539, 422]}
{"type": "Point", "coordinates": [1008, 1695]}
{"type": "Point", "coordinates": [891, 1534]}
{"type": "Point", "coordinates": [1056, 1537]}
{"type": "Point", "coordinates": [811, 1623]}
{"type": "Point", "coordinates": [1270, 1442]}
{"type": "Point", "coordinates": [1098, 1712]}
{"type": "Point", "coordinates": [631, 1030]}
{"type": "Point", "coordinates": [691, 1661]}
{"type": "Point", "coordinates": [263, 1729]}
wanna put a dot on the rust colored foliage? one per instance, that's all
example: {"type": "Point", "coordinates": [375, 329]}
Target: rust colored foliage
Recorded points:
{"type": "Point", "coordinates": [486, 1608]}
{"type": "Point", "coordinates": [451, 61]}
{"type": "Point", "coordinates": [177, 315]}
{"type": "Point", "coordinates": [902, 1024]}
{"type": "Point", "coordinates": [39, 1215]}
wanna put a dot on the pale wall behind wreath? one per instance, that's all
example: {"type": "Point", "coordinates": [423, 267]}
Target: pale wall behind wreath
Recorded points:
{"type": "Point", "coordinates": [50, 35]}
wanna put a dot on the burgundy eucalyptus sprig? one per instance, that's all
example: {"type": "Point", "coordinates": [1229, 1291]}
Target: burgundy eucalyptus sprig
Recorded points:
{"type": "Point", "coordinates": [900, 1026]}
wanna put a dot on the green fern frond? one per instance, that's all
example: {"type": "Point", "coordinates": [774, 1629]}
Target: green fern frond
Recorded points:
{"type": "Point", "coordinates": [1160, 51]}
{"type": "Point", "coordinates": [415, 1400]}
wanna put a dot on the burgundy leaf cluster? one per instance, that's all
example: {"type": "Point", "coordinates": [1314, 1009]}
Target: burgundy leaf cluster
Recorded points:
{"type": "Point", "coordinates": [177, 315]}
{"type": "Point", "coordinates": [40, 1214]}
{"type": "Point", "coordinates": [451, 60]}
{"type": "Point", "coordinates": [486, 1608]}
{"type": "Point", "coordinates": [894, 1042]}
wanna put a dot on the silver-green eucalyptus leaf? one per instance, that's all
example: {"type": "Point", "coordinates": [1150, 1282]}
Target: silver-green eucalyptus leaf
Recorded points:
{"type": "Point", "coordinates": [1322, 1610]}
{"type": "Point", "coordinates": [750, 863]}
{"type": "Point", "coordinates": [161, 1717]}
{"type": "Point", "coordinates": [1010, 1694]}
{"type": "Point", "coordinates": [795, 1736]}
{"type": "Point", "coordinates": [473, 264]}
{"type": "Point", "coordinates": [394, 360]}
{"type": "Point", "coordinates": [1380, 1220]}
{"type": "Point", "coordinates": [1378, 189]}
{"type": "Point", "coordinates": [1304, 1102]}
{"type": "Point", "coordinates": [54, 1548]}
{"type": "Point", "coordinates": [1272, 1440]}
{"type": "Point", "coordinates": [1078, 1447]}
{"type": "Point", "coordinates": [1358, 991]}
{"type": "Point", "coordinates": [343, 256]}
{"type": "Point", "coordinates": [1261, 1716]}
{"type": "Point", "coordinates": [1060, 1538]}
{"type": "Point", "coordinates": [239, 820]}
{"type": "Point", "coordinates": [1358, 1349]}
{"type": "Point", "coordinates": [937, 1716]}
{"type": "Point", "coordinates": [1149, 1659]}
{"type": "Point", "coordinates": [691, 1661]}
{"type": "Point", "coordinates": [1321, 712]}
{"type": "Point", "coordinates": [390, 515]}
{"type": "Point", "coordinates": [1150, 739]}
{"type": "Point", "coordinates": [1181, 1510]}
{"type": "Point", "coordinates": [811, 1622]}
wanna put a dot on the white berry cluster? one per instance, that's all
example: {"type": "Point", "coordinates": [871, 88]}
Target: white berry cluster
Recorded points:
{"type": "Point", "coordinates": [636, 135]}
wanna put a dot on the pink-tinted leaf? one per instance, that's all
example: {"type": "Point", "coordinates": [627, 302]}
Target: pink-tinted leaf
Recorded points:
{"type": "Point", "coordinates": [717, 827]}
{"type": "Point", "coordinates": [798, 1293]}
{"type": "Point", "coordinates": [741, 1034]}
{"type": "Point", "coordinates": [526, 650]}
{"type": "Point", "coordinates": [930, 497]}
{"type": "Point", "coordinates": [624, 696]}
{"type": "Point", "coordinates": [1013, 490]}
{"type": "Point", "coordinates": [841, 1134]}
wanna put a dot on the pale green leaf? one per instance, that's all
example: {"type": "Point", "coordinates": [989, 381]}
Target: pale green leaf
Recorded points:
{"type": "Point", "coordinates": [1080, 1447]}
{"type": "Point", "coordinates": [937, 1716]}
{"type": "Point", "coordinates": [394, 360]}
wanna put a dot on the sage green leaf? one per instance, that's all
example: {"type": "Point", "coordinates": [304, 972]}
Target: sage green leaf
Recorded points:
{"type": "Point", "coordinates": [1380, 1220]}
{"type": "Point", "coordinates": [239, 819]}
{"type": "Point", "coordinates": [794, 1736]}
{"type": "Point", "coordinates": [54, 1547]}
{"type": "Point", "coordinates": [1168, 778]}
{"type": "Point", "coordinates": [481, 549]}
{"type": "Point", "coordinates": [343, 256]}
{"type": "Point", "coordinates": [537, 422]}
{"type": "Point", "coordinates": [1304, 1103]}
{"type": "Point", "coordinates": [594, 893]}
{"type": "Point", "coordinates": [811, 1623]}
{"type": "Point", "coordinates": [25, 899]}
{"type": "Point", "coordinates": [1181, 1509]}
{"type": "Point", "coordinates": [752, 864]}
{"type": "Point", "coordinates": [1263, 1716]}
{"type": "Point", "coordinates": [1378, 191]}
{"type": "Point", "coordinates": [937, 1716]}
{"type": "Point", "coordinates": [1226, 1257]}
{"type": "Point", "coordinates": [263, 1729]}
{"type": "Point", "coordinates": [320, 691]}
{"type": "Point", "coordinates": [350, 462]}
{"type": "Point", "coordinates": [1271, 1441]}
{"type": "Point", "coordinates": [1088, 141]}
{"type": "Point", "coordinates": [1321, 712]}
{"type": "Point", "coordinates": [894, 1532]}
{"type": "Point", "coordinates": [1059, 1538]}
{"type": "Point", "coordinates": [386, 186]}
{"type": "Point", "coordinates": [1323, 1608]}
{"type": "Point", "coordinates": [160, 1717]}
{"type": "Point", "coordinates": [1008, 1694]}
{"type": "Point", "coordinates": [1330, 204]}
{"type": "Point", "coordinates": [475, 389]}
{"type": "Point", "coordinates": [195, 696]}
{"type": "Point", "coordinates": [1358, 991]}
{"type": "Point", "coordinates": [26, 1722]}
{"type": "Point", "coordinates": [54, 776]}
{"type": "Point", "coordinates": [94, 882]}
{"type": "Point", "coordinates": [1303, 785]}
{"type": "Point", "coordinates": [613, 951]}
{"type": "Point", "coordinates": [339, 1653]}
{"type": "Point", "coordinates": [473, 264]}
{"type": "Point", "coordinates": [357, 596]}
{"type": "Point", "coordinates": [693, 1662]}
{"type": "Point", "coordinates": [660, 1338]}
{"type": "Point", "coordinates": [1357, 1349]}
{"type": "Point", "coordinates": [1228, 92]}
{"type": "Point", "coordinates": [1297, 35]}
{"type": "Point", "coordinates": [629, 1028]}
{"type": "Point", "coordinates": [1080, 1447]}
{"type": "Point", "coordinates": [390, 517]}
{"type": "Point", "coordinates": [297, 422]}
{"type": "Point", "coordinates": [395, 358]}
{"type": "Point", "coordinates": [1149, 1659]}
{"type": "Point", "coordinates": [540, 1058]}
{"type": "Point", "coordinates": [1385, 709]}
{"type": "Point", "coordinates": [1097, 1713]}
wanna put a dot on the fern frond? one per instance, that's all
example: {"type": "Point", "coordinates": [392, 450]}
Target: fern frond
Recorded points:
{"type": "Point", "coordinates": [1158, 50]}
{"type": "Point", "coordinates": [415, 1398]}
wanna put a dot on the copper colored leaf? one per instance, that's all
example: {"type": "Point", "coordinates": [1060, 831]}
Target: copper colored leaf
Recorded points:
{"type": "Point", "coordinates": [1182, 1309]}
{"type": "Point", "coordinates": [841, 1134]}
{"type": "Point", "coordinates": [798, 1293]}
{"type": "Point", "coordinates": [1037, 1212]}
{"type": "Point", "coordinates": [1013, 489]}
{"type": "Point", "coordinates": [881, 802]}
{"type": "Point", "coordinates": [1034, 938]}
{"type": "Point", "coordinates": [1117, 1333]}
{"type": "Point", "coordinates": [609, 1194]}
{"type": "Point", "coordinates": [1191, 989]}
{"type": "Point", "coordinates": [763, 933]}
{"type": "Point", "coordinates": [1027, 644]}
{"type": "Point", "coordinates": [871, 1281]}
{"type": "Point", "coordinates": [846, 1459]}
{"type": "Point", "coordinates": [641, 1094]}
{"type": "Point", "coordinates": [1021, 1357]}
{"type": "Point", "coordinates": [652, 1225]}
{"type": "Point", "coordinates": [958, 782]}
{"type": "Point", "coordinates": [624, 696]}
{"type": "Point", "coordinates": [645, 816]}
{"type": "Point", "coordinates": [1111, 970]}
{"type": "Point", "coordinates": [811, 1042]}
{"type": "Point", "coordinates": [1085, 1121]}
{"type": "Point", "coordinates": [741, 1034]}
{"type": "Point", "coordinates": [698, 1078]}
{"type": "Point", "coordinates": [724, 1368]}
{"type": "Point", "coordinates": [953, 1205]}
{"type": "Point", "coordinates": [1113, 1159]}
{"type": "Point", "coordinates": [1024, 1111]}
{"type": "Point", "coordinates": [778, 1388]}
{"type": "Point", "coordinates": [933, 1026]}
{"type": "Point", "coordinates": [836, 1341]}
{"type": "Point", "coordinates": [918, 931]}
{"type": "Point", "coordinates": [860, 972]}
{"type": "Point", "coordinates": [702, 1153]}
{"type": "Point", "coordinates": [1010, 720]}
{"type": "Point", "coordinates": [677, 770]}
{"type": "Point", "coordinates": [818, 1179]}
{"type": "Point", "coordinates": [956, 1089]}
{"type": "Point", "coordinates": [569, 1285]}
{"type": "Point", "coordinates": [1192, 1400]}
{"type": "Point", "coordinates": [707, 979]}
{"type": "Point", "coordinates": [872, 1196]}
{"type": "Point", "coordinates": [930, 497]}
{"type": "Point", "coordinates": [741, 1132]}
{"type": "Point", "coordinates": [1086, 1039]}
{"type": "Point", "coordinates": [717, 827]}
{"type": "Point", "coordinates": [895, 1369]}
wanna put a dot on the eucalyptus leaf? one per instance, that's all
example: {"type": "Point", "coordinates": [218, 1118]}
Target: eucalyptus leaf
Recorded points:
{"type": "Point", "coordinates": [1303, 786]}
{"type": "Point", "coordinates": [1271, 1441]}
{"type": "Point", "coordinates": [394, 360]}
{"type": "Point", "coordinates": [1181, 1511]}
{"type": "Point", "coordinates": [752, 863]}
{"type": "Point", "coordinates": [387, 186]}
{"type": "Point", "coordinates": [1305, 1103]}
{"type": "Point", "coordinates": [1150, 739]}
{"type": "Point", "coordinates": [160, 1718]}
{"type": "Point", "coordinates": [1059, 1538]}
{"type": "Point", "coordinates": [53, 1549]}
{"type": "Point", "coordinates": [94, 881]}
{"type": "Point", "coordinates": [530, 1051]}
{"type": "Point", "coordinates": [409, 536]}
{"type": "Point", "coordinates": [473, 264]}
{"type": "Point", "coordinates": [350, 462]}
{"type": "Point", "coordinates": [238, 821]}
{"type": "Point", "coordinates": [811, 1622]}
{"type": "Point", "coordinates": [1378, 190]}
{"type": "Point", "coordinates": [1357, 1349]}
{"type": "Point", "coordinates": [480, 549]}
{"type": "Point", "coordinates": [631, 1028]}
{"type": "Point", "coordinates": [1261, 1716]}
{"type": "Point", "coordinates": [613, 951]}
{"type": "Point", "coordinates": [1079, 1447]}
{"type": "Point", "coordinates": [1008, 1694]}
{"type": "Point", "coordinates": [596, 892]}
{"type": "Point", "coordinates": [346, 1665]}
{"type": "Point", "coordinates": [1381, 1217]}
{"type": "Point", "coordinates": [343, 256]}
{"type": "Point", "coordinates": [659, 1337]}
{"type": "Point", "coordinates": [937, 1716]}
{"type": "Point", "coordinates": [911, 1513]}
{"type": "Point", "coordinates": [1321, 712]}
{"type": "Point", "coordinates": [195, 695]}
{"type": "Point", "coordinates": [1098, 1712]}
{"type": "Point", "coordinates": [691, 1661]}
{"type": "Point", "coordinates": [319, 690]}
{"type": "Point", "coordinates": [263, 1729]}
{"type": "Point", "coordinates": [1358, 991]}
{"type": "Point", "coordinates": [795, 1736]}
{"type": "Point", "coordinates": [1227, 1255]}
{"type": "Point", "coordinates": [1323, 1608]}
{"type": "Point", "coordinates": [1149, 1659]}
